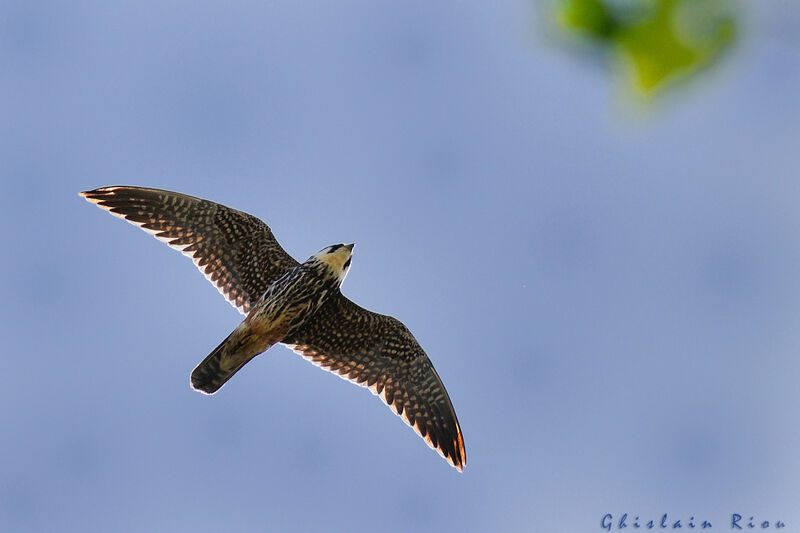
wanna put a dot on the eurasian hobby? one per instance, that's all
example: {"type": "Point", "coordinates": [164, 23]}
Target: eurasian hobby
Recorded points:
{"type": "Point", "coordinates": [296, 304]}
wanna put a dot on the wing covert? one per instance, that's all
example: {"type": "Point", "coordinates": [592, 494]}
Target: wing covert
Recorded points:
{"type": "Point", "coordinates": [235, 251]}
{"type": "Point", "coordinates": [378, 352]}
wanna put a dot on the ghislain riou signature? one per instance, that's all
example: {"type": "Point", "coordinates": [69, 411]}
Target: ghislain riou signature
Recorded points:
{"type": "Point", "coordinates": [736, 522]}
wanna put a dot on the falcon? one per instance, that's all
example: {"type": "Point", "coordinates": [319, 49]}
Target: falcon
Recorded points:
{"type": "Point", "coordinates": [296, 304]}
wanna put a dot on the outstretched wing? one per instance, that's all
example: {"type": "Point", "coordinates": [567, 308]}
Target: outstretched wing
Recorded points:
{"type": "Point", "coordinates": [378, 352]}
{"type": "Point", "coordinates": [235, 251]}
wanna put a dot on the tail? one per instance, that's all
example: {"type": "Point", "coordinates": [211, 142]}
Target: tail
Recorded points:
{"type": "Point", "coordinates": [226, 359]}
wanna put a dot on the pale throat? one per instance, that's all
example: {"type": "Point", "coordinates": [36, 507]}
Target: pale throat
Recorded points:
{"type": "Point", "coordinates": [336, 260]}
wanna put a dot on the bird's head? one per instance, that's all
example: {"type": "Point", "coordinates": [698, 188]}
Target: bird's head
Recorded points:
{"type": "Point", "coordinates": [337, 258]}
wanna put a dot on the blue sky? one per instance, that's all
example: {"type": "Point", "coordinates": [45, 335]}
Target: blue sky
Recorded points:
{"type": "Point", "coordinates": [610, 299]}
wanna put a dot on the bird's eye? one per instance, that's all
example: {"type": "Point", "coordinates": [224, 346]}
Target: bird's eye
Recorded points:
{"type": "Point", "coordinates": [334, 248]}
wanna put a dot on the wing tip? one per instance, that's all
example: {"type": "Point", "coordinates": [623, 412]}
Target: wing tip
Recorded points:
{"type": "Point", "coordinates": [100, 191]}
{"type": "Point", "coordinates": [454, 455]}
{"type": "Point", "coordinates": [96, 196]}
{"type": "Point", "coordinates": [457, 462]}
{"type": "Point", "coordinates": [90, 196]}
{"type": "Point", "coordinates": [458, 459]}
{"type": "Point", "coordinates": [103, 198]}
{"type": "Point", "coordinates": [462, 454]}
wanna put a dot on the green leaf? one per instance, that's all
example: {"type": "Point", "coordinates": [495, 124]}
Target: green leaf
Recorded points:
{"type": "Point", "coordinates": [658, 41]}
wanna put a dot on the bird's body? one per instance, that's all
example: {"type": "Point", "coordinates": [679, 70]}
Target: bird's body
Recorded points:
{"type": "Point", "coordinates": [281, 310]}
{"type": "Point", "coordinates": [299, 305]}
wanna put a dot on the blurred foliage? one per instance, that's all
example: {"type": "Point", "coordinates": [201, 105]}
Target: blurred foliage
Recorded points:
{"type": "Point", "coordinates": [659, 41]}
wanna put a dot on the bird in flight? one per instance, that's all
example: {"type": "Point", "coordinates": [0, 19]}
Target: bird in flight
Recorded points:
{"type": "Point", "coordinates": [296, 304]}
